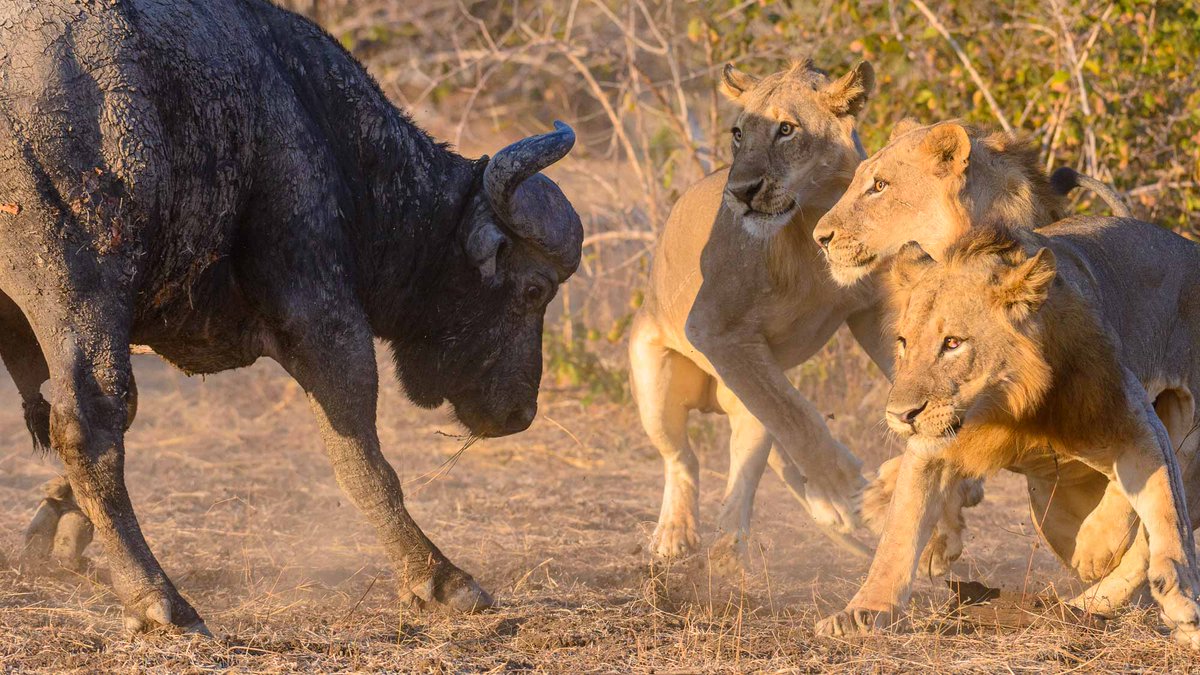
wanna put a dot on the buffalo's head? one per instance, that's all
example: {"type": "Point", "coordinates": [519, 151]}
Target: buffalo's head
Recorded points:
{"type": "Point", "coordinates": [478, 337]}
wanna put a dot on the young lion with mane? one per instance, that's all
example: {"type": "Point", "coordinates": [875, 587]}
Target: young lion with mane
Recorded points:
{"type": "Point", "coordinates": [1033, 351]}
{"type": "Point", "coordinates": [1060, 353]}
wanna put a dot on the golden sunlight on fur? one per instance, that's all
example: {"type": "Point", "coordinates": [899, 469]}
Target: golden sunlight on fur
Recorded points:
{"type": "Point", "coordinates": [1018, 351]}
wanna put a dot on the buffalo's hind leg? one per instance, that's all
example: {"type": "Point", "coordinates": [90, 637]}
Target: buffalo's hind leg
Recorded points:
{"type": "Point", "coordinates": [333, 359]}
{"type": "Point", "coordinates": [59, 529]}
{"type": "Point", "coordinates": [23, 358]}
{"type": "Point", "coordinates": [86, 341]}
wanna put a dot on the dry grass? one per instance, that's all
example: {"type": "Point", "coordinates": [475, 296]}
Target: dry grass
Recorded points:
{"type": "Point", "coordinates": [238, 502]}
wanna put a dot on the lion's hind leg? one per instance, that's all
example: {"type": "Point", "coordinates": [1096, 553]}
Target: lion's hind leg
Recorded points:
{"type": "Point", "coordinates": [666, 386]}
{"type": "Point", "coordinates": [1148, 473]}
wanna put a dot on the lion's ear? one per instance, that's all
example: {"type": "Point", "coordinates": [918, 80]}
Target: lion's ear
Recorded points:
{"type": "Point", "coordinates": [848, 95]}
{"type": "Point", "coordinates": [910, 261]}
{"type": "Point", "coordinates": [949, 147]}
{"type": "Point", "coordinates": [903, 127]}
{"type": "Point", "coordinates": [1025, 287]}
{"type": "Point", "coordinates": [734, 82]}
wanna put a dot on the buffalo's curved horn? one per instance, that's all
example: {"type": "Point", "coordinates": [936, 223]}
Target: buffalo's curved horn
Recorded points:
{"type": "Point", "coordinates": [511, 166]}
{"type": "Point", "coordinates": [530, 205]}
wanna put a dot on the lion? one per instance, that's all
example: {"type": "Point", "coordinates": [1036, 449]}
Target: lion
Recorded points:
{"type": "Point", "coordinates": [1026, 350]}
{"type": "Point", "coordinates": [908, 191]}
{"type": "Point", "coordinates": [930, 182]}
{"type": "Point", "coordinates": [738, 293]}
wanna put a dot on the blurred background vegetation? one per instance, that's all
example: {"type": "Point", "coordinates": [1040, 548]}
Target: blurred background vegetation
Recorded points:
{"type": "Point", "coordinates": [1106, 87]}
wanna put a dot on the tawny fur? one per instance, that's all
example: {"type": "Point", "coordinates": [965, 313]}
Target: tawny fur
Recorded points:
{"type": "Point", "coordinates": [730, 274]}
{"type": "Point", "coordinates": [940, 180]}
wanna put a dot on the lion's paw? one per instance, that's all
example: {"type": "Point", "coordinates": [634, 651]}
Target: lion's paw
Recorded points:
{"type": "Point", "coordinates": [855, 621]}
{"type": "Point", "coordinates": [836, 500]}
{"type": "Point", "coordinates": [674, 539]}
{"type": "Point", "coordinates": [727, 555]}
{"type": "Point", "coordinates": [1188, 636]}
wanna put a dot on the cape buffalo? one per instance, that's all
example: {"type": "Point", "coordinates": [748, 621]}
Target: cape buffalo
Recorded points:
{"type": "Point", "coordinates": [220, 180]}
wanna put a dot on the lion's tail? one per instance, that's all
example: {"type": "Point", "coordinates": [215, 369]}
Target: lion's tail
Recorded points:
{"type": "Point", "coordinates": [1064, 179]}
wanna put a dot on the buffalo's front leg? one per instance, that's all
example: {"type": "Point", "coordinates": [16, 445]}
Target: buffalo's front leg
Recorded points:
{"type": "Point", "coordinates": [335, 364]}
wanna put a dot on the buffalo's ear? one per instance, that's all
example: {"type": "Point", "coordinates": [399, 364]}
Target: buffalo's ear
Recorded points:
{"type": "Point", "coordinates": [848, 95]}
{"type": "Point", "coordinates": [949, 147]}
{"type": "Point", "coordinates": [908, 264]}
{"type": "Point", "coordinates": [903, 127]}
{"type": "Point", "coordinates": [734, 82]}
{"type": "Point", "coordinates": [1023, 288]}
{"type": "Point", "coordinates": [483, 245]}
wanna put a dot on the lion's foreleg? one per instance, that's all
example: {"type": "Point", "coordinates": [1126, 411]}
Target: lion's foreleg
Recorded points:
{"type": "Point", "coordinates": [1104, 535]}
{"type": "Point", "coordinates": [922, 482]}
{"type": "Point", "coordinates": [946, 542]}
{"type": "Point", "coordinates": [749, 448]}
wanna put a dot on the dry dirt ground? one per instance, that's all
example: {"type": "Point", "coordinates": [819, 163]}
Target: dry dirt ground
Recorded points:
{"type": "Point", "coordinates": [238, 501]}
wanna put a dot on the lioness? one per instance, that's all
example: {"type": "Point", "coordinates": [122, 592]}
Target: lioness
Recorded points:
{"type": "Point", "coordinates": [918, 189]}
{"type": "Point", "coordinates": [738, 294]}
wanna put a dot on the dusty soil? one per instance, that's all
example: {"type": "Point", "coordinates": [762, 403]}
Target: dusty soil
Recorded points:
{"type": "Point", "coordinates": [238, 501]}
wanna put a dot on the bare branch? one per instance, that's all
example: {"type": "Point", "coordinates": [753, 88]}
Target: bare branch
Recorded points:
{"type": "Point", "coordinates": [962, 56]}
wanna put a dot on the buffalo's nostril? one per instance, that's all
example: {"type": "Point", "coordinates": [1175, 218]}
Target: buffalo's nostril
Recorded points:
{"type": "Point", "coordinates": [520, 418]}
{"type": "Point", "coordinates": [907, 414]}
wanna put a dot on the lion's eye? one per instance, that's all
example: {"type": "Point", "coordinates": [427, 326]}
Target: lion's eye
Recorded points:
{"type": "Point", "coordinates": [737, 134]}
{"type": "Point", "coordinates": [879, 186]}
{"type": "Point", "coordinates": [786, 129]}
{"type": "Point", "coordinates": [951, 343]}
{"type": "Point", "coordinates": [901, 344]}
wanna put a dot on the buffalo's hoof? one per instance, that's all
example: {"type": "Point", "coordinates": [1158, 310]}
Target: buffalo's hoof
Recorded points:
{"type": "Point", "coordinates": [158, 610]}
{"type": "Point", "coordinates": [855, 621]}
{"type": "Point", "coordinates": [454, 591]}
{"type": "Point", "coordinates": [59, 530]}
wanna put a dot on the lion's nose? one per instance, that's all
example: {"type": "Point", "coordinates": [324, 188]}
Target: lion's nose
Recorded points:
{"type": "Point", "coordinates": [906, 414]}
{"type": "Point", "coordinates": [823, 239]}
{"type": "Point", "coordinates": [746, 192]}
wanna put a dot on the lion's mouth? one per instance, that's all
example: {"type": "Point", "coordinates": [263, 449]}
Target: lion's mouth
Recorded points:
{"type": "Point", "coordinates": [766, 223]}
{"type": "Point", "coordinates": [763, 214]}
{"type": "Point", "coordinates": [948, 430]}
{"type": "Point", "coordinates": [849, 272]}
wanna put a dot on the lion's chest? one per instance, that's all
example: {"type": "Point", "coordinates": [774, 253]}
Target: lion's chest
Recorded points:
{"type": "Point", "coordinates": [801, 320]}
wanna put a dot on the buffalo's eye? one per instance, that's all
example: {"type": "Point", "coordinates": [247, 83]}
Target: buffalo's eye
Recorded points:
{"type": "Point", "coordinates": [878, 186]}
{"type": "Point", "coordinates": [951, 343]}
{"type": "Point", "coordinates": [786, 129]}
{"type": "Point", "coordinates": [534, 295]}
{"type": "Point", "coordinates": [737, 134]}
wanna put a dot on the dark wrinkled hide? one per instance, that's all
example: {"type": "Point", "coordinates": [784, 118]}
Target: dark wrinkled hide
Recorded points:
{"type": "Point", "coordinates": [219, 180]}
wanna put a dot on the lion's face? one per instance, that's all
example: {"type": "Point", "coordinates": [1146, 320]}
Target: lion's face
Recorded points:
{"type": "Point", "coordinates": [794, 147]}
{"type": "Point", "coordinates": [966, 336]}
{"type": "Point", "coordinates": [908, 191]}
